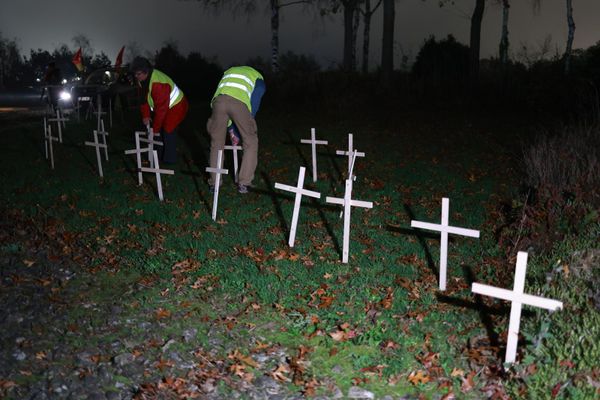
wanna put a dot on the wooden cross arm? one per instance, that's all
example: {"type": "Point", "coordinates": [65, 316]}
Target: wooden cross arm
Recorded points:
{"type": "Point", "coordinates": [160, 171]}
{"type": "Point", "coordinates": [217, 170]}
{"type": "Point", "coordinates": [52, 138]}
{"type": "Point", "coordinates": [134, 151]}
{"type": "Point", "coordinates": [304, 192]}
{"type": "Point", "coordinates": [360, 203]}
{"type": "Point", "coordinates": [100, 132]}
{"type": "Point", "coordinates": [309, 141]}
{"type": "Point", "coordinates": [354, 203]}
{"type": "Point", "coordinates": [231, 147]}
{"type": "Point", "coordinates": [102, 146]}
{"type": "Point", "coordinates": [144, 140]}
{"type": "Point", "coordinates": [523, 298]}
{"type": "Point", "coordinates": [450, 229]}
{"type": "Point", "coordinates": [334, 200]}
{"type": "Point", "coordinates": [345, 153]}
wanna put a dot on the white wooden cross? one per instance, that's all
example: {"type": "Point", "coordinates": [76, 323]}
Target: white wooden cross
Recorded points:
{"type": "Point", "coordinates": [300, 191]}
{"type": "Point", "coordinates": [157, 171]}
{"type": "Point", "coordinates": [99, 113]}
{"type": "Point", "coordinates": [98, 146]}
{"type": "Point", "coordinates": [234, 149]}
{"type": "Point", "coordinates": [48, 139]}
{"type": "Point", "coordinates": [517, 298]}
{"type": "Point", "coordinates": [104, 134]}
{"type": "Point", "coordinates": [60, 122]}
{"type": "Point", "coordinates": [445, 229]}
{"type": "Point", "coordinates": [217, 171]}
{"type": "Point", "coordinates": [349, 154]}
{"type": "Point", "coordinates": [313, 143]}
{"type": "Point", "coordinates": [151, 142]}
{"type": "Point", "coordinates": [138, 154]}
{"type": "Point", "coordinates": [347, 202]}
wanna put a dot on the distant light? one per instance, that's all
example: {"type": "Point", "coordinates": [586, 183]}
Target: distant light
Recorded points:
{"type": "Point", "coordinates": [77, 78]}
{"type": "Point", "coordinates": [65, 96]}
{"type": "Point", "coordinates": [107, 73]}
{"type": "Point", "coordinates": [64, 81]}
{"type": "Point", "coordinates": [38, 80]}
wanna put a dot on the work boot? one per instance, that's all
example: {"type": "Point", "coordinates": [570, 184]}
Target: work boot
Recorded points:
{"type": "Point", "coordinates": [243, 189]}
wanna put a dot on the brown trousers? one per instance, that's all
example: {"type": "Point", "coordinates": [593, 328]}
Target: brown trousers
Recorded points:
{"type": "Point", "coordinates": [225, 108]}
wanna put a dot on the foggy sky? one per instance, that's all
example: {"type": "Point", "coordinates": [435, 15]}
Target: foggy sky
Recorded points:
{"type": "Point", "coordinates": [110, 24]}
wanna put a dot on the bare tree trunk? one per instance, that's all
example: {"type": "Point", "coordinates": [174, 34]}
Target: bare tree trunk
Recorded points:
{"type": "Point", "coordinates": [475, 40]}
{"type": "Point", "coordinates": [503, 54]}
{"type": "Point", "coordinates": [355, 24]}
{"type": "Point", "coordinates": [349, 9]}
{"type": "Point", "coordinates": [367, 14]}
{"type": "Point", "coordinates": [275, 36]}
{"type": "Point", "coordinates": [387, 42]}
{"type": "Point", "coordinates": [569, 49]}
{"type": "Point", "coordinates": [366, 36]}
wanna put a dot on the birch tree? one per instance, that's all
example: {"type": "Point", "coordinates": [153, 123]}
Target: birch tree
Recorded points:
{"type": "Point", "coordinates": [504, 42]}
{"type": "Point", "coordinates": [387, 42]}
{"type": "Point", "coordinates": [367, 13]}
{"type": "Point", "coordinates": [248, 7]}
{"type": "Point", "coordinates": [570, 37]}
{"type": "Point", "coordinates": [475, 40]}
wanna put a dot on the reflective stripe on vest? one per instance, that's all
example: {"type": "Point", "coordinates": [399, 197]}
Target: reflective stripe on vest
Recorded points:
{"type": "Point", "coordinates": [238, 86]}
{"type": "Point", "coordinates": [238, 82]}
{"type": "Point", "coordinates": [242, 77]}
{"type": "Point", "coordinates": [173, 96]}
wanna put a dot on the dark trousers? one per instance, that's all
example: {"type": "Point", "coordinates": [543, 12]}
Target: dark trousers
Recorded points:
{"type": "Point", "coordinates": [168, 153]}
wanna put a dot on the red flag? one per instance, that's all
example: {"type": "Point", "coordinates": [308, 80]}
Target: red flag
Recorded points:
{"type": "Point", "coordinates": [119, 60]}
{"type": "Point", "coordinates": [77, 60]}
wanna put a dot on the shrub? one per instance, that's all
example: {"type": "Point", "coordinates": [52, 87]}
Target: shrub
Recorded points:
{"type": "Point", "coordinates": [561, 178]}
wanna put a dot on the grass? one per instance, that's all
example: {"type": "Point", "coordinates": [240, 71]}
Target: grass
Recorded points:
{"type": "Point", "coordinates": [378, 321]}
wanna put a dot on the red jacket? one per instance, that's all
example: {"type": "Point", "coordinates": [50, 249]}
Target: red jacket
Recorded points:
{"type": "Point", "coordinates": [165, 118]}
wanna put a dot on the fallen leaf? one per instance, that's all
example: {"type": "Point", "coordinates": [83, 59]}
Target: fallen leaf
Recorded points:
{"type": "Point", "coordinates": [280, 372]}
{"type": "Point", "coordinates": [418, 377]}
{"type": "Point", "coordinates": [338, 336]}
{"type": "Point", "coordinates": [162, 313]}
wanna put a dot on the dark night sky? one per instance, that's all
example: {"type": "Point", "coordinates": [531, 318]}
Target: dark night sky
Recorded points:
{"type": "Point", "coordinates": [109, 24]}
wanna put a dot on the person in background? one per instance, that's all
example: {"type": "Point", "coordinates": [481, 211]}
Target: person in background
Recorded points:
{"type": "Point", "coordinates": [234, 105]}
{"type": "Point", "coordinates": [53, 81]}
{"type": "Point", "coordinates": [165, 102]}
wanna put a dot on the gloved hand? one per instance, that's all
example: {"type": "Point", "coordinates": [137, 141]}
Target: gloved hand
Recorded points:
{"type": "Point", "coordinates": [234, 139]}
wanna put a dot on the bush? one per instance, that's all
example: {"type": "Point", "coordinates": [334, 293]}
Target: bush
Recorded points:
{"type": "Point", "coordinates": [442, 65]}
{"type": "Point", "coordinates": [561, 180]}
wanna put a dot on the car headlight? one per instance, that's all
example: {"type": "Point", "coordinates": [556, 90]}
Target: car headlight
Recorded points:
{"type": "Point", "coordinates": [64, 95]}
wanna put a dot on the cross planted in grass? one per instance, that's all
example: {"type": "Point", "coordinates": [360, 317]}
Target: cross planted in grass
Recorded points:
{"type": "Point", "coordinates": [98, 146]}
{"type": "Point", "coordinates": [300, 191]}
{"type": "Point", "coordinates": [518, 298]}
{"type": "Point", "coordinates": [158, 171]}
{"type": "Point", "coordinates": [347, 202]}
{"type": "Point", "coordinates": [352, 153]}
{"type": "Point", "coordinates": [444, 229]}
{"type": "Point", "coordinates": [48, 139]}
{"type": "Point", "coordinates": [151, 142]}
{"type": "Point", "coordinates": [234, 148]}
{"type": "Point", "coordinates": [138, 154]}
{"type": "Point", "coordinates": [60, 122]}
{"type": "Point", "coordinates": [313, 144]}
{"type": "Point", "coordinates": [218, 171]}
